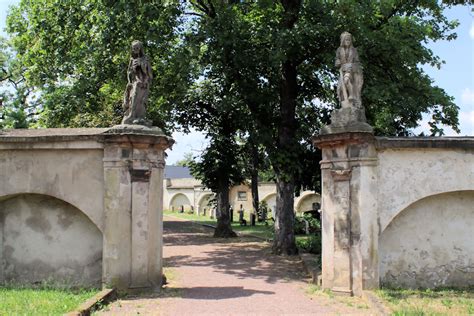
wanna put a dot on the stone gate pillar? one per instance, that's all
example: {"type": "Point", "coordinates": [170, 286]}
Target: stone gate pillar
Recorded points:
{"type": "Point", "coordinates": [349, 205]}
{"type": "Point", "coordinates": [349, 213]}
{"type": "Point", "coordinates": [133, 201]}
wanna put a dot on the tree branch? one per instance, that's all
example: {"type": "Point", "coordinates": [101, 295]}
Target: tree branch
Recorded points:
{"type": "Point", "coordinates": [397, 9]}
{"type": "Point", "coordinates": [195, 14]}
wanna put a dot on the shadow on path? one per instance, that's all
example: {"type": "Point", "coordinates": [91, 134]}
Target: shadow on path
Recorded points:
{"type": "Point", "coordinates": [218, 293]}
{"type": "Point", "coordinates": [242, 257]}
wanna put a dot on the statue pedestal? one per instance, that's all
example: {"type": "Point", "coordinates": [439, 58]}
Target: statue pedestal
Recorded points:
{"type": "Point", "coordinates": [348, 174]}
{"type": "Point", "coordinates": [134, 160]}
{"type": "Point", "coordinates": [348, 170]}
{"type": "Point", "coordinates": [347, 119]}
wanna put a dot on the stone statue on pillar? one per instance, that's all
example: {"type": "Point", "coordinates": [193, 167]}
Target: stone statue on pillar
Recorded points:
{"type": "Point", "coordinates": [139, 75]}
{"type": "Point", "coordinates": [350, 73]}
{"type": "Point", "coordinates": [135, 99]}
{"type": "Point", "coordinates": [351, 116]}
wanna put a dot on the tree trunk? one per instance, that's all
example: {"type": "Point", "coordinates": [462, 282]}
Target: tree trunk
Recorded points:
{"type": "Point", "coordinates": [284, 239]}
{"type": "Point", "coordinates": [254, 178]}
{"type": "Point", "coordinates": [223, 229]}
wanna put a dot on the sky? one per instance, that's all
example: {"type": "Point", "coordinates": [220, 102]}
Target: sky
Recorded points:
{"type": "Point", "coordinates": [456, 77]}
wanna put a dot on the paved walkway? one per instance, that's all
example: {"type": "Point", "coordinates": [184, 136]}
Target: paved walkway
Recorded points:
{"type": "Point", "coordinates": [209, 276]}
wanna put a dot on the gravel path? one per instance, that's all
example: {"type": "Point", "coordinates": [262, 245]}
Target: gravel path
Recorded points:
{"type": "Point", "coordinates": [208, 276]}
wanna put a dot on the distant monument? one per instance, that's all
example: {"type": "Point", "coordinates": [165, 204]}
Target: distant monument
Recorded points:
{"type": "Point", "coordinates": [351, 116]}
{"type": "Point", "coordinates": [139, 75]}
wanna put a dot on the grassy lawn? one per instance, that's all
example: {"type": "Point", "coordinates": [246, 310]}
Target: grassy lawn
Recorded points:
{"type": "Point", "coordinates": [41, 301]}
{"type": "Point", "coordinates": [429, 302]}
{"type": "Point", "coordinates": [260, 229]}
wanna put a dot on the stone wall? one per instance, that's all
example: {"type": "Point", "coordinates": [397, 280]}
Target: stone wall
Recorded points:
{"type": "Point", "coordinates": [430, 243]}
{"type": "Point", "coordinates": [396, 211]}
{"type": "Point", "coordinates": [43, 239]}
{"type": "Point", "coordinates": [191, 195]}
{"type": "Point", "coordinates": [82, 206]}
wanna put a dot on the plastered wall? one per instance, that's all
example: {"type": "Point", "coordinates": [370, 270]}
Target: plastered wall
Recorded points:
{"type": "Point", "coordinates": [426, 216]}
{"type": "Point", "coordinates": [46, 239]}
{"type": "Point", "coordinates": [430, 243]}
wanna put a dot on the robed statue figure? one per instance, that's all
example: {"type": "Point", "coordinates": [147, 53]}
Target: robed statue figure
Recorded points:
{"type": "Point", "coordinates": [139, 76]}
{"type": "Point", "coordinates": [350, 73]}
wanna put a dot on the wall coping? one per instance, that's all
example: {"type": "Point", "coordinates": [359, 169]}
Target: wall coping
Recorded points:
{"type": "Point", "coordinates": [463, 142]}
{"type": "Point", "coordinates": [119, 133]}
{"type": "Point", "coordinates": [50, 134]}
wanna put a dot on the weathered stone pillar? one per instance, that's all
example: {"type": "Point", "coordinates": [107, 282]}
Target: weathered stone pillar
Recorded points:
{"type": "Point", "coordinates": [133, 201]}
{"type": "Point", "coordinates": [349, 213]}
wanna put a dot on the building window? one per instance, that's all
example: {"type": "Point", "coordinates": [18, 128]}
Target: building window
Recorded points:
{"type": "Point", "coordinates": [242, 196]}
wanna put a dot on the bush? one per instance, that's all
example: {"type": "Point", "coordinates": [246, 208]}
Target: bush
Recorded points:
{"type": "Point", "coordinates": [300, 224]}
{"type": "Point", "coordinates": [262, 212]}
{"type": "Point", "coordinates": [312, 244]}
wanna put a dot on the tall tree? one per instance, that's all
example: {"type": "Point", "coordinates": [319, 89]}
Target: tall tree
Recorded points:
{"type": "Point", "coordinates": [75, 54]}
{"type": "Point", "coordinates": [211, 110]}
{"type": "Point", "coordinates": [186, 161]}
{"type": "Point", "coordinates": [17, 100]}
{"type": "Point", "coordinates": [279, 57]}
{"type": "Point", "coordinates": [265, 62]}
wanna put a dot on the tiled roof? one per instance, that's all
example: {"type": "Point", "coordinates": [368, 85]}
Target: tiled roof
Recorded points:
{"type": "Point", "coordinates": [177, 172]}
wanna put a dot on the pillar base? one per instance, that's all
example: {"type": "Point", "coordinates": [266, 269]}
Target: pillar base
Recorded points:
{"type": "Point", "coordinates": [133, 201]}
{"type": "Point", "coordinates": [349, 219]}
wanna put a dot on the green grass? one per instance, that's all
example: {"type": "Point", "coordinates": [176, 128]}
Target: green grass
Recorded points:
{"type": "Point", "coordinates": [259, 230]}
{"type": "Point", "coordinates": [443, 301]}
{"type": "Point", "coordinates": [43, 300]}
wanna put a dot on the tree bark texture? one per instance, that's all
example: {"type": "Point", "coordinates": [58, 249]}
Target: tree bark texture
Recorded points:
{"type": "Point", "coordinates": [223, 229]}
{"type": "Point", "coordinates": [284, 239]}
{"type": "Point", "coordinates": [254, 178]}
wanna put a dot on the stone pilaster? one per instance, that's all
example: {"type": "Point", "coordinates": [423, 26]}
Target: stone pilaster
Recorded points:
{"type": "Point", "coordinates": [133, 200]}
{"type": "Point", "coordinates": [349, 214]}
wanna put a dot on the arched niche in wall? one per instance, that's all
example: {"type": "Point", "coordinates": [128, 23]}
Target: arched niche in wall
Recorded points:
{"type": "Point", "coordinates": [430, 243]}
{"type": "Point", "coordinates": [204, 204]}
{"type": "Point", "coordinates": [270, 199]}
{"type": "Point", "coordinates": [43, 238]}
{"type": "Point", "coordinates": [180, 201]}
{"type": "Point", "coordinates": [308, 201]}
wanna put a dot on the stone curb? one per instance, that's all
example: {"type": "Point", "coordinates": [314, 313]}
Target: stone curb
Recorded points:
{"type": "Point", "coordinates": [376, 303]}
{"type": "Point", "coordinates": [103, 297]}
{"type": "Point", "coordinates": [313, 271]}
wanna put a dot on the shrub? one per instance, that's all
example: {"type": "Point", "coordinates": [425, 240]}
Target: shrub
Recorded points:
{"type": "Point", "coordinates": [312, 244]}
{"type": "Point", "coordinates": [300, 224]}
{"type": "Point", "coordinates": [262, 212]}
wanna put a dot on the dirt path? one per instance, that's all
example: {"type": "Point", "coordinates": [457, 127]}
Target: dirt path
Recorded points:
{"type": "Point", "coordinates": [209, 276]}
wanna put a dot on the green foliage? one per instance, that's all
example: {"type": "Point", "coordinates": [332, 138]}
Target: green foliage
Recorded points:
{"type": "Point", "coordinates": [260, 229]}
{"type": "Point", "coordinates": [311, 243]}
{"type": "Point", "coordinates": [274, 60]}
{"type": "Point", "coordinates": [186, 161]}
{"type": "Point", "coordinates": [439, 301]}
{"type": "Point", "coordinates": [17, 102]}
{"type": "Point", "coordinates": [42, 300]}
{"type": "Point", "coordinates": [259, 71]}
{"type": "Point", "coordinates": [219, 164]}
{"type": "Point", "coordinates": [76, 53]}
{"type": "Point", "coordinates": [300, 224]}
{"type": "Point", "coordinates": [263, 211]}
